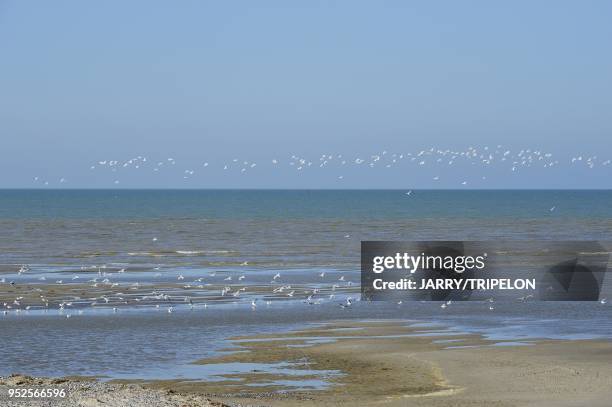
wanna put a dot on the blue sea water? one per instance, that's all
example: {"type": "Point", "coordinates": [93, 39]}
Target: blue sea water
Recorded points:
{"type": "Point", "coordinates": [303, 204]}
{"type": "Point", "coordinates": [271, 228]}
{"type": "Point", "coordinates": [159, 236]}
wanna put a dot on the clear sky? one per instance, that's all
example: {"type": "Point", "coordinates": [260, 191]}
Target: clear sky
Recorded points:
{"type": "Point", "coordinates": [203, 81]}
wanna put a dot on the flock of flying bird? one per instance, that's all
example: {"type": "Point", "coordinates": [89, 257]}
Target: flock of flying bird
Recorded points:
{"type": "Point", "coordinates": [340, 165]}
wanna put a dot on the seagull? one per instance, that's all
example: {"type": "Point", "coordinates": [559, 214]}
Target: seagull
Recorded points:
{"type": "Point", "coordinates": [348, 303]}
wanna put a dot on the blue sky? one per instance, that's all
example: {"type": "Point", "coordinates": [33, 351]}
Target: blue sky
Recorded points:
{"type": "Point", "coordinates": [203, 81]}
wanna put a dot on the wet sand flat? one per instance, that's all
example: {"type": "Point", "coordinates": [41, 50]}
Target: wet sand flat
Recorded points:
{"type": "Point", "coordinates": [384, 363]}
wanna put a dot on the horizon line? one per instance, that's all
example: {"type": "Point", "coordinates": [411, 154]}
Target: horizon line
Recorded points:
{"type": "Point", "coordinates": [303, 189]}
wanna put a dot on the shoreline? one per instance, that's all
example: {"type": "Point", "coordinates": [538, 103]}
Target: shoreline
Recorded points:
{"type": "Point", "coordinates": [384, 362]}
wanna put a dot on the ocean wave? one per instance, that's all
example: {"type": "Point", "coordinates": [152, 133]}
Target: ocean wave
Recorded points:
{"type": "Point", "coordinates": [206, 252]}
{"type": "Point", "coordinates": [163, 253]}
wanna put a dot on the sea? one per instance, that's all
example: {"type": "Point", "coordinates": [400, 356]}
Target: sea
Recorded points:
{"type": "Point", "coordinates": [162, 255]}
